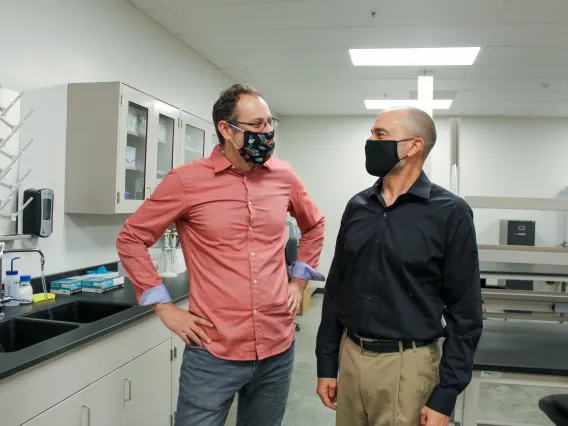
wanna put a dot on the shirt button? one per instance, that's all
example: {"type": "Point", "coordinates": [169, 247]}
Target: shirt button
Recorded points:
{"type": "Point", "coordinates": [250, 202]}
{"type": "Point", "coordinates": [254, 312]}
{"type": "Point", "coordinates": [245, 178]}
{"type": "Point", "coordinates": [377, 241]}
{"type": "Point", "coordinates": [368, 298]}
{"type": "Point", "coordinates": [384, 214]}
{"type": "Point", "coordinates": [254, 281]}
{"type": "Point", "coordinates": [252, 254]}
{"type": "Point", "coordinates": [250, 228]}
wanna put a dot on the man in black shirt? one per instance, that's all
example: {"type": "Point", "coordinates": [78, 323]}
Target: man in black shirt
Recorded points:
{"type": "Point", "coordinates": [406, 256]}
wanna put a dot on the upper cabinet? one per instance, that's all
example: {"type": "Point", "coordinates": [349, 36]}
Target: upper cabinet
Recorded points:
{"type": "Point", "coordinates": [121, 143]}
{"type": "Point", "coordinates": [194, 137]}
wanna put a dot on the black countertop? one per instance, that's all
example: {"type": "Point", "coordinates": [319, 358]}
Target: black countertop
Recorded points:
{"type": "Point", "coordinates": [14, 362]}
{"type": "Point", "coordinates": [523, 347]}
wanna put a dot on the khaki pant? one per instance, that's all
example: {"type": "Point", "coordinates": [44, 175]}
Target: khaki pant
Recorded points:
{"type": "Point", "coordinates": [387, 389]}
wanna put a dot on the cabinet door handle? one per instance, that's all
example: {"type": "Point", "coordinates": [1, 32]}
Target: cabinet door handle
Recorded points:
{"type": "Point", "coordinates": [88, 409]}
{"type": "Point", "coordinates": [127, 380]}
{"type": "Point", "coordinates": [148, 191]}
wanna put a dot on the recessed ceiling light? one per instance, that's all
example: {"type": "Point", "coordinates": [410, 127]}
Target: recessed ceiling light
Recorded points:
{"type": "Point", "coordinates": [414, 57]}
{"type": "Point", "coordinates": [389, 103]}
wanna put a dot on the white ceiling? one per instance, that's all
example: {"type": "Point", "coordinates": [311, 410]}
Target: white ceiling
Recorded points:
{"type": "Point", "coordinates": [296, 51]}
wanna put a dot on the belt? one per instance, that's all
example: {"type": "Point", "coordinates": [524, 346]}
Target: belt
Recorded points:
{"type": "Point", "coordinates": [386, 347]}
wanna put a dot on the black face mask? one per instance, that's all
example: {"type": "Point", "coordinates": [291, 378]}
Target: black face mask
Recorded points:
{"type": "Point", "coordinates": [381, 156]}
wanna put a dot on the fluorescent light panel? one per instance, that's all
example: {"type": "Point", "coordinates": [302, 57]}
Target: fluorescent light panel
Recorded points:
{"type": "Point", "coordinates": [389, 103]}
{"type": "Point", "coordinates": [414, 57]}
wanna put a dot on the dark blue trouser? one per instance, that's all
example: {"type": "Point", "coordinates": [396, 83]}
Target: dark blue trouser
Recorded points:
{"type": "Point", "coordinates": [208, 386]}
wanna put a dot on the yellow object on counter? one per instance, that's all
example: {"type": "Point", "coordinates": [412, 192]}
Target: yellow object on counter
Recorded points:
{"type": "Point", "coordinates": [40, 297]}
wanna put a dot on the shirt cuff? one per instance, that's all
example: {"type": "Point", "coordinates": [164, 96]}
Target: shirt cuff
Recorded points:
{"type": "Point", "coordinates": [328, 367]}
{"type": "Point", "coordinates": [155, 295]}
{"type": "Point", "coordinates": [442, 401]}
{"type": "Point", "coordinates": [304, 272]}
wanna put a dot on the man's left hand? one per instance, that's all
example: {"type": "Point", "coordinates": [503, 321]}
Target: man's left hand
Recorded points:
{"type": "Point", "coordinates": [295, 293]}
{"type": "Point", "coordinates": [430, 417]}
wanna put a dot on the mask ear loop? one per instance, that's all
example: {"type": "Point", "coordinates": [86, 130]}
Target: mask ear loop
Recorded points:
{"type": "Point", "coordinates": [405, 140]}
{"type": "Point", "coordinates": [240, 130]}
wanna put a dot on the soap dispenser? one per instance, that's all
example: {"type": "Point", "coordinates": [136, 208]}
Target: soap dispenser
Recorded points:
{"type": "Point", "coordinates": [12, 285]}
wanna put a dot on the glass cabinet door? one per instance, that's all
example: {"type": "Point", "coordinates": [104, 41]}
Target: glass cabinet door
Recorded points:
{"type": "Point", "coordinates": [193, 138]}
{"type": "Point", "coordinates": [166, 139]}
{"type": "Point", "coordinates": [136, 147]}
{"type": "Point", "coordinates": [194, 143]}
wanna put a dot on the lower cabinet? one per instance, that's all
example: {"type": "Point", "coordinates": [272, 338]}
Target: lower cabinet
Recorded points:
{"type": "Point", "coordinates": [146, 388]}
{"type": "Point", "coordinates": [139, 393]}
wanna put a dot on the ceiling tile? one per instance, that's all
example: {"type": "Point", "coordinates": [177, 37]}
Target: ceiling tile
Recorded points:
{"type": "Point", "coordinates": [357, 13]}
{"type": "Point", "coordinates": [267, 60]}
{"type": "Point", "coordinates": [190, 3]}
{"type": "Point", "coordinates": [523, 56]}
{"type": "Point", "coordinates": [529, 35]}
{"type": "Point", "coordinates": [148, 4]}
{"type": "Point", "coordinates": [296, 53]}
{"type": "Point", "coordinates": [258, 16]}
{"type": "Point", "coordinates": [167, 19]}
{"type": "Point", "coordinates": [534, 11]}
{"type": "Point", "coordinates": [220, 61]}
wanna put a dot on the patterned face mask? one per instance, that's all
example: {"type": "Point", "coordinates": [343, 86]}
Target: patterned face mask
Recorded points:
{"type": "Point", "coordinates": [258, 147]}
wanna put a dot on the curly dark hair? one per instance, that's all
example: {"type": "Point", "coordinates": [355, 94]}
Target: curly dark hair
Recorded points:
{"type": "Point", "coordinates": [224, 108]}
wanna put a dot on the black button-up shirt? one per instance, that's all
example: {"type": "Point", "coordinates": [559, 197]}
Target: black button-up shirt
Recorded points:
{"type": "Point", "coordinates": [396, 271]}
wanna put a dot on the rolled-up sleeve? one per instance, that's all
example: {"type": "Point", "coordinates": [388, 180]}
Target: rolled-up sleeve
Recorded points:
{"type": "Point", "coordinates": [311, 223]}
{"type": "Point", "coordinates": [142, 230]}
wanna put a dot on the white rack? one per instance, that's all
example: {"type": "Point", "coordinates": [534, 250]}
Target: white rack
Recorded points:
{"type": "Point", "coordinates": [521, 254]}
{"type": "Point", "coordinates": [10, 153]}
{"type": "Point", "coordinates": [518, 203]}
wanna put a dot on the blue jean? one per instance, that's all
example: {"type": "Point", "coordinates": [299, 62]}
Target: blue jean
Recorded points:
{"type": "Point", "coordinates": [208, 386]}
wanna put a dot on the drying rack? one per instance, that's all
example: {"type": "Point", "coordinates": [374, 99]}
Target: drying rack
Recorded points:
{"type": "Point", "coordinates": [10, 124]}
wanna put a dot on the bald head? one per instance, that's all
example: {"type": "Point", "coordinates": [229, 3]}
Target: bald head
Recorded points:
{"type": "Point", "coordinates": [416, 122]}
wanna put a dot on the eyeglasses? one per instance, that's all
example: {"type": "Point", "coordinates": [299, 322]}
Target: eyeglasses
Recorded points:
{"type": "Point", "coordinates": [258, 124]}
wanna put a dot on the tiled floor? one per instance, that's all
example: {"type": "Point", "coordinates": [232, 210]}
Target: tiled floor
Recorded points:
{"type": "Point", "coordinates": [505, 404]}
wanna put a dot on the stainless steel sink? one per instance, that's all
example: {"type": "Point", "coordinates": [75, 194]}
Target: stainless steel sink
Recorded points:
{"type": "Point", "coordinates": [80, 311]}
{"type": "Point", "coordinates": [19, 333]}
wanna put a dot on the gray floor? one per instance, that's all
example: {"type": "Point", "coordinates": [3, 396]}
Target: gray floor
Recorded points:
{"type": "Point", "coordinates": [506, 404]}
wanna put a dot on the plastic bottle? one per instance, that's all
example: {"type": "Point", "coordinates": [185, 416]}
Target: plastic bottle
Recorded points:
{"type": "Point", "coordinates": [12, 285]}
{"type": "Point", "coordinates": [26, 290]}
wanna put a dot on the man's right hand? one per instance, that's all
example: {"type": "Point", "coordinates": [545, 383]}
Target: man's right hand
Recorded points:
{"type": "Point", "coordinates": [183, 323]}
{"type": "Point", "coordinates": [327, 391]}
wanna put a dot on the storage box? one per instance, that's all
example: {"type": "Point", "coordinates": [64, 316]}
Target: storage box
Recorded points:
{"type": "Point", "coordinates": [306, 300]}
{"type": "Point", "coordinates": [67, 286]}
{"type": "Point", "coordinates": [102, 284]}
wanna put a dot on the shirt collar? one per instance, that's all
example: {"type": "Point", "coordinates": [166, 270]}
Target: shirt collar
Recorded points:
{"type": "Point", "coordinates": [221, 163]}
{"type": "Point", "coordinates": [421, 188]}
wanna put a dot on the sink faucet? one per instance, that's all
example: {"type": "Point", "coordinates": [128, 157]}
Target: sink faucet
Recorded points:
{"type": "Point", "coordinates": [3, 251]}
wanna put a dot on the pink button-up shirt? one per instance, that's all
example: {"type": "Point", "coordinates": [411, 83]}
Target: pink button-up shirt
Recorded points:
{"type": "Point", "coordinates": [232, 229]}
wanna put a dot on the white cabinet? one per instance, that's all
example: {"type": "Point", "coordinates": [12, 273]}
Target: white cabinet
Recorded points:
{"type": "Point", "coordinates": [146, 388]}
{"type": "Point", "coordinates": [96, 405]}
{"type": "Point", "coordinates": [138, 393]}
{"type": "Point", "coordinates": [121, 143]}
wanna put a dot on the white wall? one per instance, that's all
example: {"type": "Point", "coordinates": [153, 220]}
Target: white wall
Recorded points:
{"type": "Point", "coordinates": [55, 42]}
{"type": "Point", "coordinates": [498, 157]}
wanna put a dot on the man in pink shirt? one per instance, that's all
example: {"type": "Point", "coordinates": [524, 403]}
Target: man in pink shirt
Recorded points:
{"type": "Point", "coordinates": [230, 212]}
